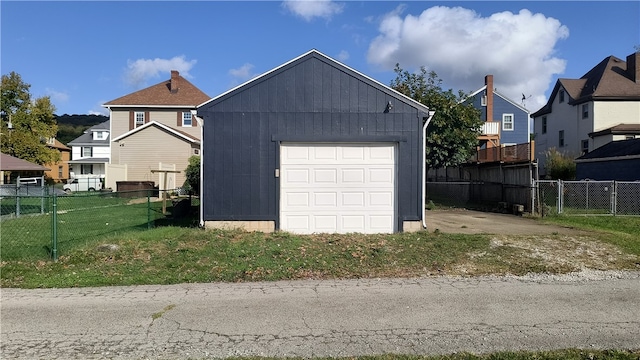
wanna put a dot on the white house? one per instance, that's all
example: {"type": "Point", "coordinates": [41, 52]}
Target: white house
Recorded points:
{"type": "Point", "coordinates": [580, 111]}
{"type": "Point", "coordinates": [90, 152]}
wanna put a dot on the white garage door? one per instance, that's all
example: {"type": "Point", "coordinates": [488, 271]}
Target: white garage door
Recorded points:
{"type": "Point", "coordinates": [327, 188]}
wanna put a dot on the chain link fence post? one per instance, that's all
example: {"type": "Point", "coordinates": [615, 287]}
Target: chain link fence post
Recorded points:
{"type": "Point", "coordinates": [54, 228]}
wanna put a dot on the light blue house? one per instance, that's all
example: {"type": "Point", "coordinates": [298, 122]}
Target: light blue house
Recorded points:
{"type": "Point", "coordinates": [506, 121]}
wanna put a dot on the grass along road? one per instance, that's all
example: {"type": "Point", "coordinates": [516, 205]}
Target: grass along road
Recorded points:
{"type": "Point", "coordinates": [169, 255]}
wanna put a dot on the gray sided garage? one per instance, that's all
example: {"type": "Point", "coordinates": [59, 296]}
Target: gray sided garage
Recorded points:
{"type": "Point", "coordinates": [313, 146]}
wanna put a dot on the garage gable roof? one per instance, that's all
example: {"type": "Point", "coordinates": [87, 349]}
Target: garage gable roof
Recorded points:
{"type": "Point", "coordinates": [11, 163]}
{"type": "Point", "coordinates": [162, 126]}
{"type": "Point", "coordinates": [316, 54]}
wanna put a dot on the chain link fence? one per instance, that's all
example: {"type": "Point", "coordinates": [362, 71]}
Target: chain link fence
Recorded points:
{"type": "Point", "coordinates": [587, 197]}
{"type": "Point", "coordinates": [36, 226]}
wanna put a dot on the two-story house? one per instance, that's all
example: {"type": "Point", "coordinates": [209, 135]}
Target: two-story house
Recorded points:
{"type": "Point", "coordinates": [59, 171]}
{"type": "Point", "coordinates": [586, 113]}
{"type": "Point", "coordinates": [506, 122]}
{"type": "Point", "coordinates": [153, 129]}
{"type": "Point", "coordinates": [90, 152]}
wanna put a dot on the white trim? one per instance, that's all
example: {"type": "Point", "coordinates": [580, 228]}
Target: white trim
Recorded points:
{"type": "Point", "coordinates": [201, 126]}
{"type": "Point", "coordinates": [513, 122]}
{"type": "Point", "coordinates": [424, 167]}
{"type": "Point", "coordinates": [419, 105]}
{"type": "Point", "coordinates": [150, 106]}
{"type": "Point", "coordinates": [190, 119]}
{"type": "Point", "coordinates": [161, 125]}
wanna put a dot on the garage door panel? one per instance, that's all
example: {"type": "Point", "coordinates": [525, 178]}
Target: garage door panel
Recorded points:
{"type": "Point", "coordinates": [325, 199]}
{"type": "Point", "coordinates": [353, 199]}
{"type": "Point", "coordinates": [323, 176]}
{"type": "Point", "coordinates": [349, 188]}
{"type": "Point", "coordinates": [297, 199]}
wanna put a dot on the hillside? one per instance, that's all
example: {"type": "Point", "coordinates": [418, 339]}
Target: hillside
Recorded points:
{"type": "Point", "coordinates": [72, 126]}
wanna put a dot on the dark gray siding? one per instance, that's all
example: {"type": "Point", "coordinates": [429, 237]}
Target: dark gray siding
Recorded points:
{"type": "Point", "coordinates": [620, 170]}
{"type": "Point", "coordinates": [309, 100]}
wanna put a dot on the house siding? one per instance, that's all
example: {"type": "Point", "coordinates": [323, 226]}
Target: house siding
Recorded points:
{"type": "Point", "coordinates": [308, 101]}
{"type": "Point", "coordinates": [143, 151]}
{"type": "Point", "coordinates": [620, 170]}
{"type": "Point", "coordinates": [520, 132]}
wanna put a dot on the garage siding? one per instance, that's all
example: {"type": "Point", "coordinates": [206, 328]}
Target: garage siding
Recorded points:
{"type": "Point", "coordinates": [310, 100]}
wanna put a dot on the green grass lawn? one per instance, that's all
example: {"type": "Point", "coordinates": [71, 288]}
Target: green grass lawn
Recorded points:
{"type": "Point", "coordinates": [178, 253]}
{"type": "Point", "coordinates": [622, 231]}
{"type": "Point", "coordinates": [81, 219]}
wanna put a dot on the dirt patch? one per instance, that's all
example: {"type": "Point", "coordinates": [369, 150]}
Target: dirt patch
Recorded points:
{"type": "Point", "coordinates": [527, 243]}
{"type": "Point", "coordinates": [462, 221]}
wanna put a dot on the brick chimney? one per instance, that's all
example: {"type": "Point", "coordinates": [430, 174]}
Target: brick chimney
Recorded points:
{"type": "Point", "coordinates": [633, 66]}
{"type": "Point", "coordinates": [174, 81]}
{"type": "Point", "coordinates": [488, 80]}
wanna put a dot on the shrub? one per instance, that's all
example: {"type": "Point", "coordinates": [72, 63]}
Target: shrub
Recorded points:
{"type": "Point", "coordinates": [560, 166]}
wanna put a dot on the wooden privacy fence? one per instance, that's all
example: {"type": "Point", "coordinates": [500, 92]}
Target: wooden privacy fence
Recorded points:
{"type": "Point", "coordinates": [499, 186]}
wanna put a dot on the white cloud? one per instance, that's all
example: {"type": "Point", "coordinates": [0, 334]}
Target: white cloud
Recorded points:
{"type": "Point", "coordinates": [98, 109]}
{"type": "Point", "coordinates": [56, 96]}
{"type": "Point", "coordinates": [140, 71]}
{"type": "Point", "coordinates": [343, 56]}
{"type": "Point", "coordinates": [462, 47]}
{"type": "Point", "coordinates": [243, 72]}
{"type": "Point", "coordinates": [310, 9]}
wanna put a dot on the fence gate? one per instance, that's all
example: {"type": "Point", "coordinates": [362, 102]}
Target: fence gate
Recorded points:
{"type": "Point", "coordinates": [587, 197]}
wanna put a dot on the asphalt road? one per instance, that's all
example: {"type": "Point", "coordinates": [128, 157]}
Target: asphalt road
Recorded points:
{"type": "Point", "coordinates": [322, 318]}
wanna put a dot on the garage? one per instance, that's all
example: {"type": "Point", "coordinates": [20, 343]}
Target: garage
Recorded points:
{"type": "Point", "coordinates": [327, 188]}
{"type": "Point", "coordinates": [313, 146]}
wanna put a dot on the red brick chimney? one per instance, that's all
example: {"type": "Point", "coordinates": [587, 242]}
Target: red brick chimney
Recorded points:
{"type": "Point", "coordinates": [633, 66]}
{"type": "Point", "coordinates": [488, 80]}
{"type": "Point", "coordinates": [174, 81]}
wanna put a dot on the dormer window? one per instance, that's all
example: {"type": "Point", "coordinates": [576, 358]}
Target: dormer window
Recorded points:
{"type": "Point", "coordinates": [99, 135]}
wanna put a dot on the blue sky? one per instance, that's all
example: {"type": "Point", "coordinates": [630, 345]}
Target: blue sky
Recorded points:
{"type": "Point", "coordinates": [85, 53]}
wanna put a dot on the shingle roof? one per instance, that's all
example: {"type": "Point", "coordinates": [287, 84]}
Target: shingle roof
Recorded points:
{"type": "Point", "coordinates": [629, 147]}
{"type": "Point", "coordinates": [87, 137]}
{"type": "Point", "coordinates": [622, 129]}
{"type": "Point", "coordinates": [177, 91]}
{"type": "Point", "coordinates": [10, 163]}
{"type": "Point", "coordinates": [608, 80]}
{"type": "Point", "coordinates": [58, 145]}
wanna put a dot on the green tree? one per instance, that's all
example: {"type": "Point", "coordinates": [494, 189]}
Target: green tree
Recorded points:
{"type": "Point", "coordinates": [192, 176]}
{"type": "Point", "coordinates": [452, 135]}
{"type": "Point", "coordinates": [560, 166]}
{"type": "Point", "coordinates": [32, 122]}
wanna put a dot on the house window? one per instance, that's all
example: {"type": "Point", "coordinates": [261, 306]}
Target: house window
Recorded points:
{"type": "Point", "coordinates": [99, 135]}
{"type": "Point", "coordinates": [196, 151]}
{"type": "Point", "coordinates": [86, 169]}
{"type": "Point", "coordinates": [139, 118]}
{"type": "Point", "coordinates": [544, 124]}
{"type": "Point", "coordinates": [186, 119]}
{"type": "Point", "coordinates": [585, 111]}
{"type": "Point", "coordinates": [561, 96]}
{"type": "Point", "coordinates": [585, 146]}
{"type": "Point", "coordinates": [59, 172]}
{"type": "Point", "coordinates": [561, 138]}
{"type": "Point", "coordinates": [483, 100]}
{"type": "Point", "coordinates": [87, 151]}
{"type": "Point", "coordinates": [507, 122]}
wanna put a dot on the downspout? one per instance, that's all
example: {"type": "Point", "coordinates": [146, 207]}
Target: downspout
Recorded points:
{"type": "Point", "coordinates": [200, 121]}
{"type": "Point", "coordinates": [424, 167]}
